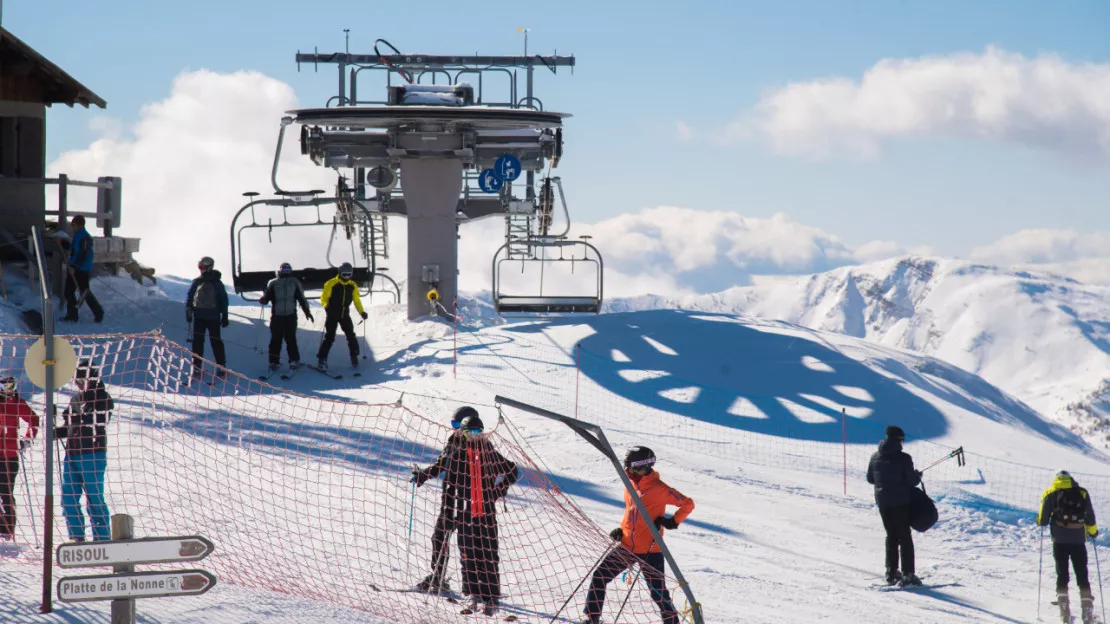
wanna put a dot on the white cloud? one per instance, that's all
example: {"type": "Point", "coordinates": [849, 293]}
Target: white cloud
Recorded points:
{"type": "Point", "coordinates": [1044, 102]}
{"type": "Point", "coordinates": [683, 131]}
{"type": "Point", "coordinates": [1043, 246]}
{"type": "Point", "coordinates": [187, 159]}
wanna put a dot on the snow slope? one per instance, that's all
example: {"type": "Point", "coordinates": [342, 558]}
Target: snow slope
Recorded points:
{"type": "Point", "coordinates": [1042, 338]}
{"type": "Point", "coordinates": [745, 417]}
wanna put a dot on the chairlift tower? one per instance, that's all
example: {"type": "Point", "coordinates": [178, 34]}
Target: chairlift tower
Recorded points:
{"type": "Point", "coordinates": [439, 152]}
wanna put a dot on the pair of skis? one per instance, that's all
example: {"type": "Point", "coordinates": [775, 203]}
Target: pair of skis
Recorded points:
{"type": "Point", "coordinates": [1087, 611]}
{"type": "Point", "coordinates": [451, 597]}
{"type": "Point", "coordinates": [337, 376]}
{"type": "Point", "coordinates": [284, 376]}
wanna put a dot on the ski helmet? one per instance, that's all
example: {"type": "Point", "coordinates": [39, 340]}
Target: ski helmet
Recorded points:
{"type": "Point", "coordinates": [7, 386]}
{"type": "Point", "coordinates": [639, 457]}
{"type": "Point", "coordinates": [206, 263]}
{"type": "Point", "coordinates": [346, 270]}
{"type": "Point", "coordinates": [461, 414]}
{"type": "Point", "coordinates": [472, 424]}
{"type": "Point", "coordinates": [285, 269]}
{"type": "Point", "coordinates": [1063, 473]}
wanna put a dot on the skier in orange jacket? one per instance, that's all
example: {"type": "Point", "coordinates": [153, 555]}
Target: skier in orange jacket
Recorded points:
{"type": "Point", "coordinates": [634, 536]}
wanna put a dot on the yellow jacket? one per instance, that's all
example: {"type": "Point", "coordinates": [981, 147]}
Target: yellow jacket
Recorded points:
{"type": "Point", "coordinates": [338, 294]}
{"type": "Point", "coordinates": [1062, 532]}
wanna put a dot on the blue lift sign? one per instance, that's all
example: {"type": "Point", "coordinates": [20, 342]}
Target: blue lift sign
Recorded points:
{"type": "Point", "coordinates": [490, 181]}
{"type": "Point", "coordinates": [508, 167]}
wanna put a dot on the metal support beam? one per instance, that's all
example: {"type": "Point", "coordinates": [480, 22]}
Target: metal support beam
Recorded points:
{"type": "Point", "coordinates": [596, 437]}
{"type": "Point", "coordinates": [434, 60]}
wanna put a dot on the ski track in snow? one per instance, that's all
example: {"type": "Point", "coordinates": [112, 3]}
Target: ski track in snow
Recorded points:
{"type": "Point", "coordinates": [765, 543]}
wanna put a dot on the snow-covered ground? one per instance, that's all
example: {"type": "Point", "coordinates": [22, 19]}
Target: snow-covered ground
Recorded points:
{"type": "Point", "coordinates": [744, 414]}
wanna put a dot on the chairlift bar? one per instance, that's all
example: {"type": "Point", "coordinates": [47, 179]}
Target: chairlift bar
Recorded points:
{"type": "Point", "coordinates": [437, 61]}
{"type": "Point", "coordinates": [48, 181]}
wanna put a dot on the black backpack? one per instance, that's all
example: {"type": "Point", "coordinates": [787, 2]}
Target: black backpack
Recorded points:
{"type": "Point", "coordinates": [1071, 508]}
{"type": "Point", "coordinates": [204, 298]}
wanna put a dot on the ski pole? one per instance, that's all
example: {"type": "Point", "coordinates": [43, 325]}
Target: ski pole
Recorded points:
{"type": "Point", "coordinates": [583, 581]}
{"type": "Point", "coordinates": [189, 333]}
{"type": "Point", "coordinates": [30, 501]}
{"type": "Point", "coordinates": [1098, 568]}
{"type": "Point", "coordinates": [958, 454]}
{"type": "Point", "coordinates": [1040, 570]}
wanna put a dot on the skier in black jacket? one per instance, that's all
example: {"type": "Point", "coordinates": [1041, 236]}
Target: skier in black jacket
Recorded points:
{"type": "Point", "coordinates": [85, 421]}
{"type": "Point", "coordinates": [892, 473]}
{"type": "Point", "coordinates": [285, 292]}
{"type": "Point", "coordinates": [476, 462]}
{"type": "Point", "coordinates": [206, 308]}
{"type": "Point", "coordinates": [449, 508]}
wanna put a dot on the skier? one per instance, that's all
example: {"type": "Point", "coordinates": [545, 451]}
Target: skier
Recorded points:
{"type": "Point", "coordinates": [636, 538]}
{"type": "Point", "coordinates": [12, 409]}
{"type": "Point", "coordinates": [482, 476]}
{"type": "Point", "coordinates": [339, 292]}
{"type": "Point", "coordinates": [206, 309]}
{"type": "Point", "coordinates": [80, 269]}
{"type": "Point", "coordinates": [892, 473]}
{"type": "Point", "coordinates": [1067, 510]}
{"type": "Point", "coordinates": [436, 582]}
{"type": "Point", "coordinates": [285, 292]}
{"type": "Point", "coordinates": [84, 429]}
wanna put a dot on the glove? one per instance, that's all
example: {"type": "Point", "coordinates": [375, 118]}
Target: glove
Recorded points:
{"type": "Point", "coordinates": [917, 473]}
{"type": "Point", "coordinates": [664, 522]}
{"type": "Point", "coordinates": [310, 319]}
{"type": "Point", "coordinates": [1094, 535]}
{"type": "Point", "coordinates": [188, 316]}
{"type": "Point", "coordinates": [225, 322]}
{"type": "Point", "coordinates": [616, 534]}
{"type": "Point", "coordinates": [364, 315]}
{"type": "Point", "coordinates": [419, 477]}
{"type": "Point", "coordinates": [24, 443]}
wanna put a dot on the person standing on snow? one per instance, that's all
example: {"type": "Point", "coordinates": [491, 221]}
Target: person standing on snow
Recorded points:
{"type": "Point", "coordinates": [892, 473]}
{"type": "Point", "coordinates": [285, 292]}
{"type": "Point", "coordinates": [338, 294]}
{"type": "Point", "coordinates": [449, 508]}
{"type": "Point", "coordinates": [12, 409]}
{"type": "Point", "coordinates": [206, 309]}
{"type": "Point", "coordinates": [1067, 510]}
{"type": "Point", "coordinates": [80, 271]}
{"type": "Point", "coordinates": [85, 431]}
{"type": "Point", "coordinates": [635, 537]}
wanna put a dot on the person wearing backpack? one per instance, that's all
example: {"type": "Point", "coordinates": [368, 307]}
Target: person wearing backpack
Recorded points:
{"type": "Point", "coordinates": [285, 292]}
{"type": "Point", "coordinates": [1067, 510]}
{"type": "Point", "coordinates": [338, 295]}
{"type": "Point", "coordinates": [892, 473]}
{"type": "Point", "coordinates": [206, 309]}
{"type": "Point", "coordinates": [84, 430]}
{"type": "Point", "coordinates": [80, 270]}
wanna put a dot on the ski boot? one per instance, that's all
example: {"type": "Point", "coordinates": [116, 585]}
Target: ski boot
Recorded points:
{"type": "Point", "coordinates": [274, 367]}
{"type": "Point", "coordinates": [322, 365]}
{"type": "Point", "coordinates": [909, 580]}
{"type": "Point", "coordinates": [433, 586]}
{"type": "Point", "coordinates": [590, 619]}
{"type": "Point", "coordinates": [1087, 606]}
{"type": "Point", "coordinates": [295, 364]}
{"type": "Point", "coordinates": [1062, 604]}
{"type": "Point", "coordinates": [893, 577]}
{"type": "Point", "coordinates": [490, 608]}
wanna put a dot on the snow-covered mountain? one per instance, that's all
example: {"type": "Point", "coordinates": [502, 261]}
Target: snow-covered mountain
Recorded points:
{"type": "Point", "coordinates": [1042, 338]}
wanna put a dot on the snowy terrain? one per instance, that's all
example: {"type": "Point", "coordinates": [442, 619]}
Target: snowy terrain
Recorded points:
{"type": "Point", "coordinates": [745, 417]}
{"type": "Point", "coordinates": [1040, 337]}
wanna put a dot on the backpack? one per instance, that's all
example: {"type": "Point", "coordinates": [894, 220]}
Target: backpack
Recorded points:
{"type": "Point", "coordinates": [1071, 509]}
{"type": "Point", "coordinates": [205, 296]}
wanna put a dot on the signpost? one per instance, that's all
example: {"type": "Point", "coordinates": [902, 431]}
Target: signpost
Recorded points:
{"type": "Point", "coordinates": [123, 553]}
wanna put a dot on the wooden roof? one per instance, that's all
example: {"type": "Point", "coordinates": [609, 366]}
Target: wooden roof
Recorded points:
{"type": "Point", "coordinates": [18, 61]}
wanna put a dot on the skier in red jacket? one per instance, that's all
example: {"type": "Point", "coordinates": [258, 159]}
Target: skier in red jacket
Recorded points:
{"type": "Point", "coordinates": [12, 409]}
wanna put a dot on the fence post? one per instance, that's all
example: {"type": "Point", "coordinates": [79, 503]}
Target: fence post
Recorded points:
{"type": "Point", "coordinates": [577, 373]}
{"type": "Point", "coordinates": [123, 610]}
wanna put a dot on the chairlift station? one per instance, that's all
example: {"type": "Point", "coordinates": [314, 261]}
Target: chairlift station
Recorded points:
{"type": "Point", "coordinates": [439, 152]}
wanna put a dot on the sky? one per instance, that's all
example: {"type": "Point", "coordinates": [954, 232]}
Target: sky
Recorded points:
{"type": "Point", "coordinates": [977, 130]}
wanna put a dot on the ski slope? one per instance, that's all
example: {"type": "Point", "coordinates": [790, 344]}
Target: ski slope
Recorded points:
{"type": "Point", "coordinates": [744, 415]}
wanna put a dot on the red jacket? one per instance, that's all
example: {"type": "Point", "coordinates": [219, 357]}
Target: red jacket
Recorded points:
{"type": "Point", "coordinates": [12, 408]}
{"type": "Point", "coordinates": [656, 496]}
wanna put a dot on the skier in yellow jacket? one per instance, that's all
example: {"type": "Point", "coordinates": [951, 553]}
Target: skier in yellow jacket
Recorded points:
{"type": "Point", "coordinates": [1067, 510]}
{"type": "Point", "coordinates": [339, 292]}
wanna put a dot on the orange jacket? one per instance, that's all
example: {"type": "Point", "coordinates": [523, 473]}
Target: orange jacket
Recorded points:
{"type": "Point", "coordinates": [656, 496]}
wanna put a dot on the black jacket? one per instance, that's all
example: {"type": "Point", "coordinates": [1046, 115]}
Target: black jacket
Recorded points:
{"type": "Point", "coordinates": [891, 472]}
{"type": "Point", "coordinates": [465, 461]}
{"type": "Point", "coordinates": [219, 313]}
{"type": "Point", "coordinates": [85, 421]}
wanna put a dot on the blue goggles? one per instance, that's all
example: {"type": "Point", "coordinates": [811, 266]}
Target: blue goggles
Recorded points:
{"type": "Point", "coordinates": [455, 424]}
{"type": "Point", "coordinates": [473, 431]}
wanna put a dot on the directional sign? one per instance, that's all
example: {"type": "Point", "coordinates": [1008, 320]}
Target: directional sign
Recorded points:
{"type": "Point", "coordinates": [135, 585]}
{"type": "Point", "coordinates": [135, 551]}
{"type": "Point", "coordinates": [490, 181]}
{"type": "Point", "coordinates": [508, 167]}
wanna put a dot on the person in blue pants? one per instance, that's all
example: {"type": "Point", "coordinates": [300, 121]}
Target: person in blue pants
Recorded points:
{"type": "Point", "coordinates": [84, 430]}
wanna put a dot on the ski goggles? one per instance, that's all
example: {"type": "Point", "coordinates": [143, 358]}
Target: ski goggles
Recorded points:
{"type": "Point", "coordinates": [473, 431]}
{"type": "Point", "coordinates": [455, 424]}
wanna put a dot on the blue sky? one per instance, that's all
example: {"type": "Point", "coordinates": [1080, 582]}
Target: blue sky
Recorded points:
{"type": "Point", "coordinates": [644, 67]}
